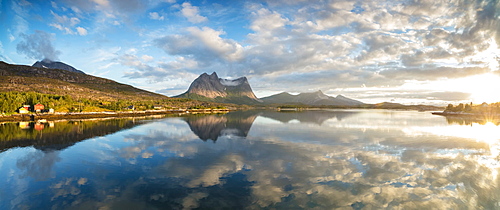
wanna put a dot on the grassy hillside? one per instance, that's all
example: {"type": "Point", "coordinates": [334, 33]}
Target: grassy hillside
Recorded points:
{"type": "Point", "coordinates": [21, 84]}
{"type": "Point", "coordinates": [54, 81]}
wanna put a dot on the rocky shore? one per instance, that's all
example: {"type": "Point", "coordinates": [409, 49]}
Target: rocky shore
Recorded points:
{"type": "Point", "coordinates": [90, 115]}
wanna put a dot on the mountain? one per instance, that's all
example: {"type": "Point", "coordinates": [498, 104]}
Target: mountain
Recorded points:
{"type": "Point", "coordinates": [46, 63]}
{"type": "Point", "coordinates": [23, 78]}
{"type": "Point", "coordinates": [317, 98]}
{"type": "Point", "coordinates": [212, 88]}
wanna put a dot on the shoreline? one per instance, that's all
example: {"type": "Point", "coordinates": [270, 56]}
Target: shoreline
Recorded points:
{"type": "Point", "coordinates": [91, 115]}
{"type": "Point", "coordinates": [464, 114]}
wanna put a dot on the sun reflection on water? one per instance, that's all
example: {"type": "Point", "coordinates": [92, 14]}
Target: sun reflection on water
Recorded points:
{"type": "Point", "coordinates": [482, 133]}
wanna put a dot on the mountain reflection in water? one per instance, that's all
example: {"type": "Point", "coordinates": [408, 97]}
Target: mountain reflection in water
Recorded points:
{"type": "Point", "coordinates": [239, 123]}
{"type": "Point", "coordinates": [230, 124]}
{"type": "Point", "coordinates": [347, 159]}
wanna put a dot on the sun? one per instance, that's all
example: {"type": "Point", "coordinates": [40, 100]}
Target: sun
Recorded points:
{"type": "Point", "coordinates": [483, 88]}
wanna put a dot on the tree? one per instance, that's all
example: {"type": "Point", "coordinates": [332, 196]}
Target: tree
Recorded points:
{"type": "Point", "coordinates": [449, 108]}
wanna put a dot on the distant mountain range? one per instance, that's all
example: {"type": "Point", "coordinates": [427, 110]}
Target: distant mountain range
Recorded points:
{"type": "Point", "coordinates": [317, 98]}
{"type": "Point", "coordinates": [212, 88]}
{"type": "Point", "coordinates": [46, 63]}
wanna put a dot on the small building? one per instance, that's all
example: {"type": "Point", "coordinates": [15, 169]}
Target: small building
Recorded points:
{"type": "Point", "coordinates": [157, 107]}
{"type": "Point", "coordinates": [131, 107]}
{"type": "Point", "coordinates": [38, 107]}
{"type": "Point", "coordinates": [23, 110]}
{"type": "Point", "coordinates": [51, 111]}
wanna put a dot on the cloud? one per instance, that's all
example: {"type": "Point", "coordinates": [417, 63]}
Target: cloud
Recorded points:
{"type": "Point", "coordinates": [310, 44]}
{"type": "Point", "coordinates": [267, 25]}
{"type": "Point", "coordinates": [21, 14]}
{"type": "Point", "coordinates": [65, 20]}
{"type": "Point", "coordinates": [432, 73]}
{"type": "Point", "coordinates": [38, 46]}
{"type": "Point", "coordinates": [351, 166]}
{"type": "Point", "coordinates": [2, 51]}
{"type": "Point", "coordinates": [204, 44]}
{"type": "Point", "coordinates": [156, 16]}
{"type": "Point", "coordinates": [53, 4]}
{"type": "Point", "coordinates": [448, 96]}
{"type": "Point", "coordinates": [164, 71]}
{"type": "Point", "coordinates": [109, 11]}
{"type": "Point", "coordinates": [67, 24]}
{"type": "Point", "coordinates": [192, 13]}
{"type": "Point", "coordinates": [38, 164]}
{"type": "Point", "coordinates": [147, 58]}
{"type": "Point", "coordinates": [81, 31]}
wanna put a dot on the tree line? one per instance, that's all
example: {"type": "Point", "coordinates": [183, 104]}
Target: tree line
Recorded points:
{"type": "Point", "coordinates": [495, 107]}
{"type": "Point", "coordinates": [10, 102]}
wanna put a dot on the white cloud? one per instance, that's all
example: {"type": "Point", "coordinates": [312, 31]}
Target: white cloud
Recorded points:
{"type": "Point", "coordinates": [21, 13]}
{"type": "Point", "coordinates": [67, 24]}
{"type": "Point", "coordinates": [102, 3]}
{"type": "Point", "coordinates": [267, 25]}
{"type": "Point", "coordinates": [156, 16]}
{"type": "Point", "coordinates": [56, 25]}
{"type": "Point", "coordinates": [312, 44]}
{"type": "Point", "coordinates": [81, 31]}
{"type": "Point", "coordinates": [210, 38]}
{"type": "Point", "coordinates": [204, 44]}
{"type": "Point", "coordinates": [147, 58]}
{"type": "Point", "coordinates": [76, 10]}
{"type": "Point", "coordinates": [65, 20]}
{"type": "Point", "coordinates": [54, 5]}
{"type": "Point", "coordinates": [192, 13]}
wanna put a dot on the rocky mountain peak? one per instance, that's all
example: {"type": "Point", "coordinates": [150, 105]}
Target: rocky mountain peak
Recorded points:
{"type": "Point", "coordinates": [49, 64]}
{"type": "Point", "coordinates": [211, 86]}
{"type": "Point", "coordinates": [214, 75]}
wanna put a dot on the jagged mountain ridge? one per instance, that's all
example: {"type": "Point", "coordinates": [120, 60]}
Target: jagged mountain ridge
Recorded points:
{"type": "Point", "coordinates": [212, 88]}
{"type": "Point", "coordinates": [317, 98]}
{"type": "Point", "coordinates": [46, 63]}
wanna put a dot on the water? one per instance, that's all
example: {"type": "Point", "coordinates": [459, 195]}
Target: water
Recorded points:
{"type": "Point", "coordinates": [347, 159]}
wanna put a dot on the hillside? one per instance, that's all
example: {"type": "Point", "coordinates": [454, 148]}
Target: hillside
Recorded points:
{"type": "Point", "coordinates": [23, 78]}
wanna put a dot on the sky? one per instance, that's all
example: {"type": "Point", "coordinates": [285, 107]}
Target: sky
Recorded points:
{"type": "Point", "coordinates": [411, 52]}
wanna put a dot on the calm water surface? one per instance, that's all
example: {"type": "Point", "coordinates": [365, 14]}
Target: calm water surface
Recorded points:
{"type": "Point", "coordinates": [348, 159]}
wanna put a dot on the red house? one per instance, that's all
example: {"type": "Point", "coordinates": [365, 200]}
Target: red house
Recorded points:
{"type": "Point", "coordinates": [39, 107]}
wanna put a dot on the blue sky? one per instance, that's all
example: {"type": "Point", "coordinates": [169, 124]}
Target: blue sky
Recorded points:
{"type": "Point", "coordinates": [426, 51]}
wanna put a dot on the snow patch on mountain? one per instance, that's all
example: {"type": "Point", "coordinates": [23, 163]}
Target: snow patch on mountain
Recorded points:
{"type": "Point", "coordinates": [227, 82]}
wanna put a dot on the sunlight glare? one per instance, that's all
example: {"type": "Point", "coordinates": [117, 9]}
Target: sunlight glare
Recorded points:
{"type": "Point", "coordinates": [487, 133]}
{"type": "Point", "coordinates": [483, 88]}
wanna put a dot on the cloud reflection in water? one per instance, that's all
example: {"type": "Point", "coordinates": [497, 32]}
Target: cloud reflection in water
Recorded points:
{"type": "Point", "coordinates": [340, 159]}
